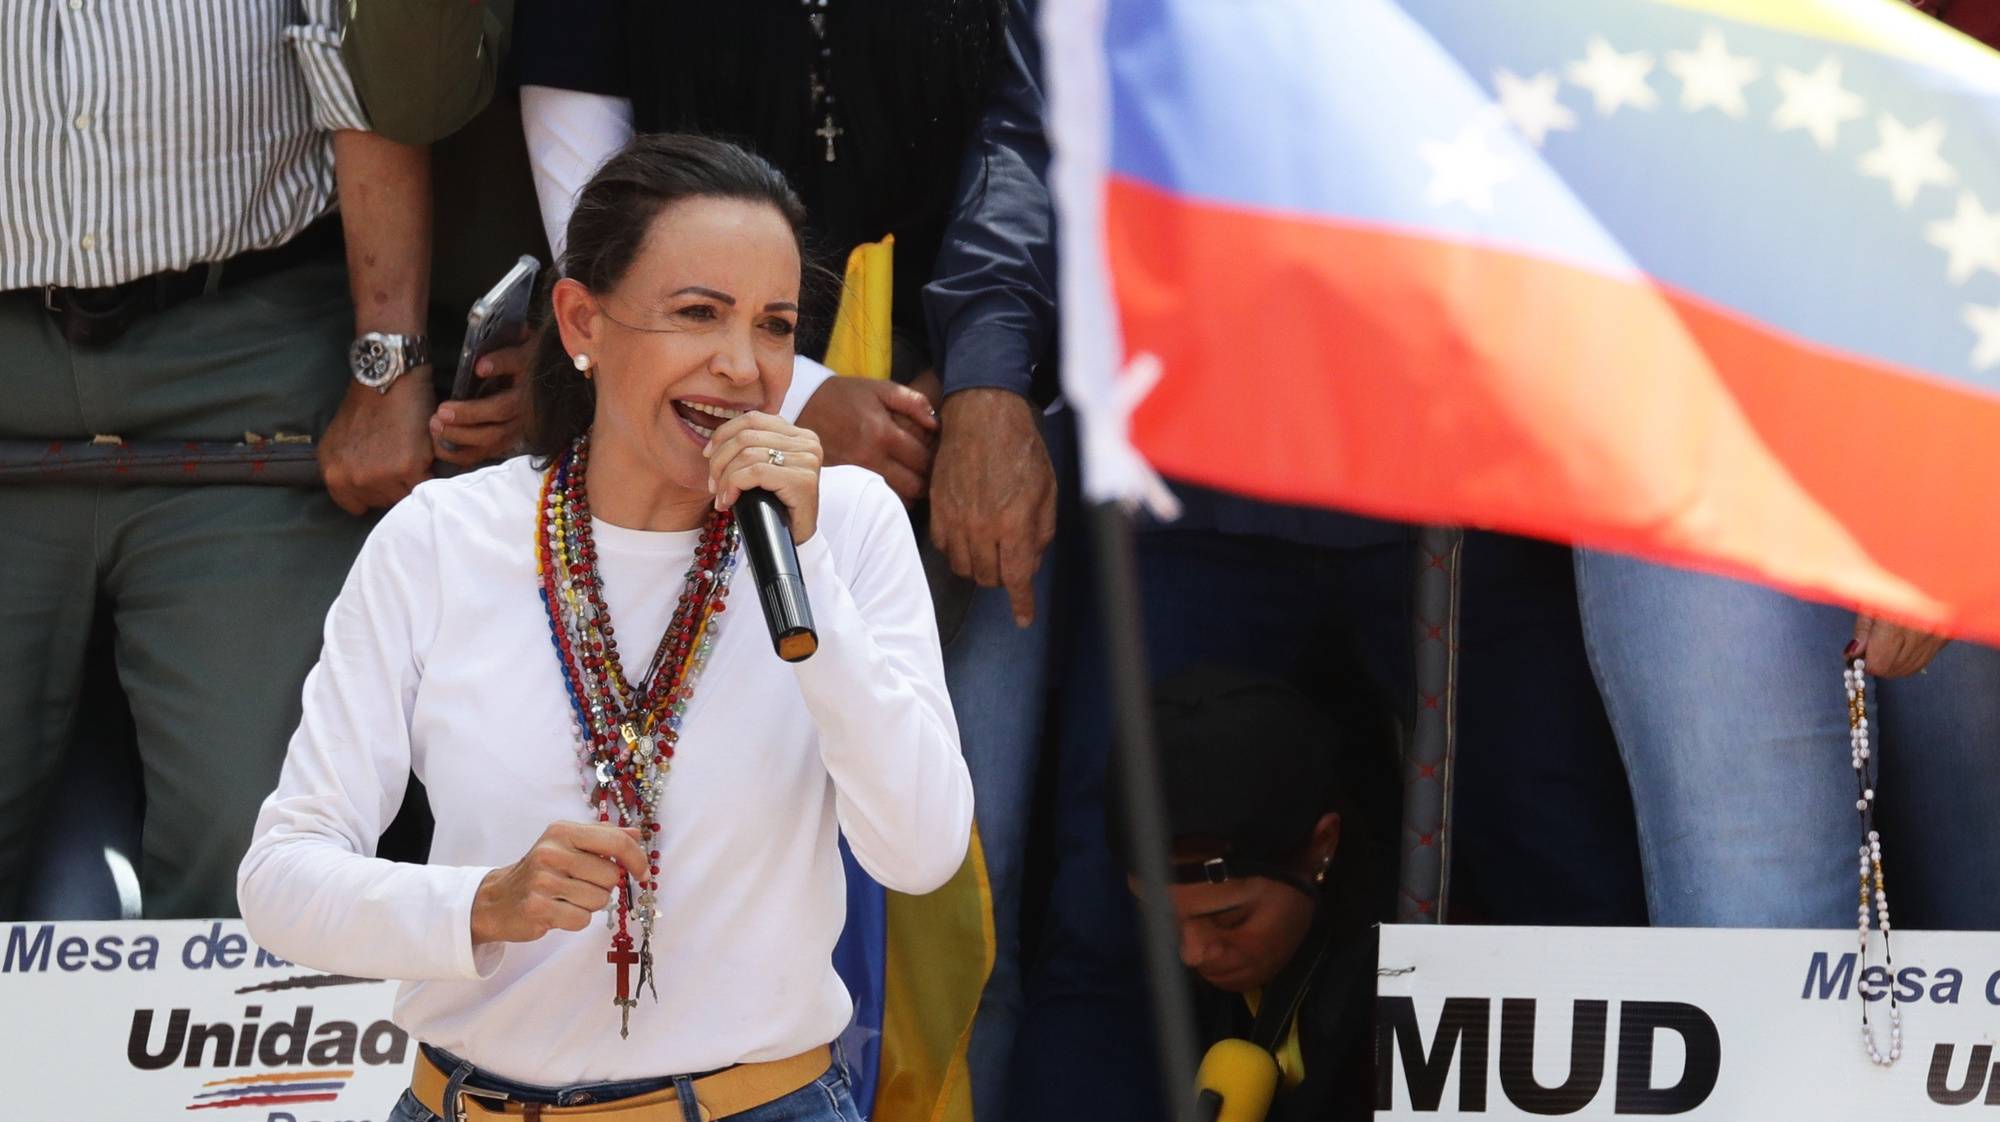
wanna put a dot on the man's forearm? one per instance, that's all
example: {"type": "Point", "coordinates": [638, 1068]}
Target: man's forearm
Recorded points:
{"type": "Point", "coordinates": [385, 207]}
{"type": "Point", "coordinates": [378, 445]}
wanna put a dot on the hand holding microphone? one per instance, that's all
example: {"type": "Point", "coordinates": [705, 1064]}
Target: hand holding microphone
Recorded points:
{"type": "Point", "coordinates": [767, 469]}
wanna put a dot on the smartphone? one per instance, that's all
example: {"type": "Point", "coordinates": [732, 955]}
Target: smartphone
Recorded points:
{"type": "Point", "coordinates": [496, 321]}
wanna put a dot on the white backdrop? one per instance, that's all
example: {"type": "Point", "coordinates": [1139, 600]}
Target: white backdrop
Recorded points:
{"type": "Point", "coordinates": [128, 1022]}
{"type": "Point", "coordinates": [138, 1021]}
{"type": "Point", "coordinates": [1746, 1026]}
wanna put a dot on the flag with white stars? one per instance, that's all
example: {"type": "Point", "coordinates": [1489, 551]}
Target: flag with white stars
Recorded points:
{"type": "Point", "coordinates": [1713, 282]}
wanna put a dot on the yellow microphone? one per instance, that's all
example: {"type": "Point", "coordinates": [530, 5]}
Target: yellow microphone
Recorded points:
{"type": "Point", "coordinates": [1236, 1082]}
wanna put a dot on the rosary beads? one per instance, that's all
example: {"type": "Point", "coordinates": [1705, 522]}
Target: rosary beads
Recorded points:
{"type": "Point", "coordinates": [1870, 863]}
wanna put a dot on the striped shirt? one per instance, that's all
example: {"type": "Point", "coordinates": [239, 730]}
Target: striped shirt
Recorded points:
{"type": "Point", "coordinates": [143, 135]}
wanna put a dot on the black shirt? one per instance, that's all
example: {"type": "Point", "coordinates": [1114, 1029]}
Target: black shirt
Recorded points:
{"type": "Point", "coordinates": [1335, 1027]}
{"type": "Point", "coordinates": [905, 81]}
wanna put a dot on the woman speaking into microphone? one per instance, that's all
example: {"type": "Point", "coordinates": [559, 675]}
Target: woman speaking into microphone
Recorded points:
{"type": "Point", "coordinates": [634, 887]}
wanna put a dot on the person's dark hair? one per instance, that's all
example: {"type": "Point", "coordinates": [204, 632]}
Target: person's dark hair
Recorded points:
{"type": "Point", "coordinates": [609, 224]}
{"type": "Point", "coordinates": [1249, 763]}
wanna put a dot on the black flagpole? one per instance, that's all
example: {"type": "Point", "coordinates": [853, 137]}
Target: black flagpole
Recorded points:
{"type": "Point", "coordinates": [1145, 805]}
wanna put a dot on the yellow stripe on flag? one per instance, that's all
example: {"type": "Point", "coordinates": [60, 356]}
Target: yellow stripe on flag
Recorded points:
{"type": "Point", "coordinates": [859, 346]}
{"type": "Point", "coordinates": [940, 954]}
{"type": "Point", "coordinates": [940, 945]}
{"type": "Point", "coordinates": [1889, 27]}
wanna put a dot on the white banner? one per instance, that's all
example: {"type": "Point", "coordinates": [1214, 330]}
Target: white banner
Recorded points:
{"type": "Point", "coordinates": [1502, 1022]}
{"type": "Point", "coordinates": [141, 1021]}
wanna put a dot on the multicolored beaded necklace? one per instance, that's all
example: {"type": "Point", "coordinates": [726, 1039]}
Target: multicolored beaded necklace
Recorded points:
{"type": "Point", "coordinates": [626, 731]}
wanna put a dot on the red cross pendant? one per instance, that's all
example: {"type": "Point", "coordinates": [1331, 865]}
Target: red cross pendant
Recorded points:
{"type": "Point", "coordinates": [624, 958]}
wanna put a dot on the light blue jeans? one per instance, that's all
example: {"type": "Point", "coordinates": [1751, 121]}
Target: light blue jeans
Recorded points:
{"type": "Point", "coordinates": [1730, 714]}
{"type": "Point", "coordinates": [997, 674]}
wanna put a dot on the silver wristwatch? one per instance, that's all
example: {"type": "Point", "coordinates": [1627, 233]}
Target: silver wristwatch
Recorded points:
{"type": "Point", "coordinates": [378, 359]}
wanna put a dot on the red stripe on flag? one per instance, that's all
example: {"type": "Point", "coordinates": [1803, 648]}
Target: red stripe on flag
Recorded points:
{"type": "Point", "coordinates": [1403, 376]}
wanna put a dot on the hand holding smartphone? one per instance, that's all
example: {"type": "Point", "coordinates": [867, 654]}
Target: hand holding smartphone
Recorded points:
{"type": "Point", "coordinates": [497, 319]}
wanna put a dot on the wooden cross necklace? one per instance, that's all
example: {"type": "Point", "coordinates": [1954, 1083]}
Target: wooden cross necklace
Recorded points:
{"type": "Point", "coordinates": [822, 94]}
{"type": "Point", "coordinates": [622, 956]}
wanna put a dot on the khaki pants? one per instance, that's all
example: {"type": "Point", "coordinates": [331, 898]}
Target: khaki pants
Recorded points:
{"type": "Point", "coordinates": [217, 593]}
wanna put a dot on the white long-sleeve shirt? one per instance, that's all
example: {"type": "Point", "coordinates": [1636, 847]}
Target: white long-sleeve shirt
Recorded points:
{"type": "Point", "coordinates": [438, 661]}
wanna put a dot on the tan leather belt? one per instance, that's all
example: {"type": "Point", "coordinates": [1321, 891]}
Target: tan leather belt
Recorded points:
{"type": "Point", "coordinates": [730, 1091]}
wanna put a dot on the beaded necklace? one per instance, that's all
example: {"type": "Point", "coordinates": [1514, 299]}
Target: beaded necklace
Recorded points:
{"type": "Point", "coordinates": [1870, 865]}
{"type": "Point", "coordinates": [626, 731]}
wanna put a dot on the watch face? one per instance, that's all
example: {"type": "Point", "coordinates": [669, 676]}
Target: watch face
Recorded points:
{"type": "Point", "coordinates": [374, 364]}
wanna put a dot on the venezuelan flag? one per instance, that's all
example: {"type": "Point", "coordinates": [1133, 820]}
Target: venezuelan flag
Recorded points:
{"type": "Point", "coordinates": [1715, 282]}
{"type": "Point", "coordinates": [916, 965]}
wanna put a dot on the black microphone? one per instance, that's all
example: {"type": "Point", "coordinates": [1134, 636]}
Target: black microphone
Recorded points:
{"type": "Point", "coordinates": [774, 561]}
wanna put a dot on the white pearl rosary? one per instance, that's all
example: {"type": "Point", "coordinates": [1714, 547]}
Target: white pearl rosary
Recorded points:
{"type": "Point", "coordinates": [1870, 866]}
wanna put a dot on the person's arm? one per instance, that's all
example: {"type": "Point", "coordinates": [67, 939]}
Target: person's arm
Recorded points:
{"type": "Point", "coordinates": [991, 302]}
{"type": "Point", "coordinates": [310, 887]}
{"type": "Point", "coordinates": [570, 134]}
{"type": "Point", "coordinates": [991, 309]}
{"type": "Point", "coordinates": [378, 446]}
{"type": "Point", "coordinates": [807, 377]}
{"type": "Point", "coordinates": [876, 692]}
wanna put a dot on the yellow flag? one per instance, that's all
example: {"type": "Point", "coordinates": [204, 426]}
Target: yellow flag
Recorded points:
{"type": "Point", "coordinates": [860, 344]}
{"type": "Point", "coordinates": [940, 953]}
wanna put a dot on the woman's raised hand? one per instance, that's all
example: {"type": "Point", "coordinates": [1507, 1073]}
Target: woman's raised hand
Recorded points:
{"type": "Point", "coordinates": [762, 450]}
{"type": "Point", "coordinates": [565, 878]}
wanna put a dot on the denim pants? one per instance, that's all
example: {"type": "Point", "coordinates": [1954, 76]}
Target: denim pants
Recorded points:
{"type": "Point", "coordinates": [826, 1099]}
{"type": "Point", "coordinates": [996, 673]}
{"type": "Point", "coordinates": [1532, 733]}
{"type": "Point", "coordinates": [1731, 717]}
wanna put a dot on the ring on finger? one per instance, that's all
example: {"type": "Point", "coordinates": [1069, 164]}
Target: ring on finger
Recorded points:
{"type": "Point", "coordinates": [776, 456]}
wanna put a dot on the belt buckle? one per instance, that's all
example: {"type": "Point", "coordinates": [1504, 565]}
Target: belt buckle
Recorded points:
{"type": "Point", "coordinates": [458, 1108]}
{"type": "Point", "coordinates": [49, 298]}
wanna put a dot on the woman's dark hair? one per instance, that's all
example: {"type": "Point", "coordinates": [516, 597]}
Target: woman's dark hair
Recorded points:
{"type": "Point", "coordinates": [609, 224]}
{"type": "Point", "coordinates": [1249, 762]}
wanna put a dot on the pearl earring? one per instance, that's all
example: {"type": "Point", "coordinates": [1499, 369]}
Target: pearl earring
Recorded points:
{"type": "Point", "coordinates": [582, 362]}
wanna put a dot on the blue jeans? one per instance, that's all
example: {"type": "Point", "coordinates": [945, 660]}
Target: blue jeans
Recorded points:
{"type": "Point", "coordinates": [1532, 733]}
{"type": "Point", "coordinates": [1730, 714]}
{"type": "Point", "coordinates": [826, 1099]}
{"type": "Point", "coordinates": [996, 673]}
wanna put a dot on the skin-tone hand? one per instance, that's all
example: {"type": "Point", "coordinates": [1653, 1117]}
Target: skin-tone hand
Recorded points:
{"type": "Point", "coordinates": [491, 427]}
{"type": "Point", "coordinates": [565, 878]}
{"type": "Point", "coordinates": [739, 458]}
{"type": "Point", "coordinates": [889, 429]}
{"type": "Point", "coordinates": [993, 493]}
{"type": "Point", "coordinates": [378, 446]}
{"type": "Point", "coordinates": [1892, 650]}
